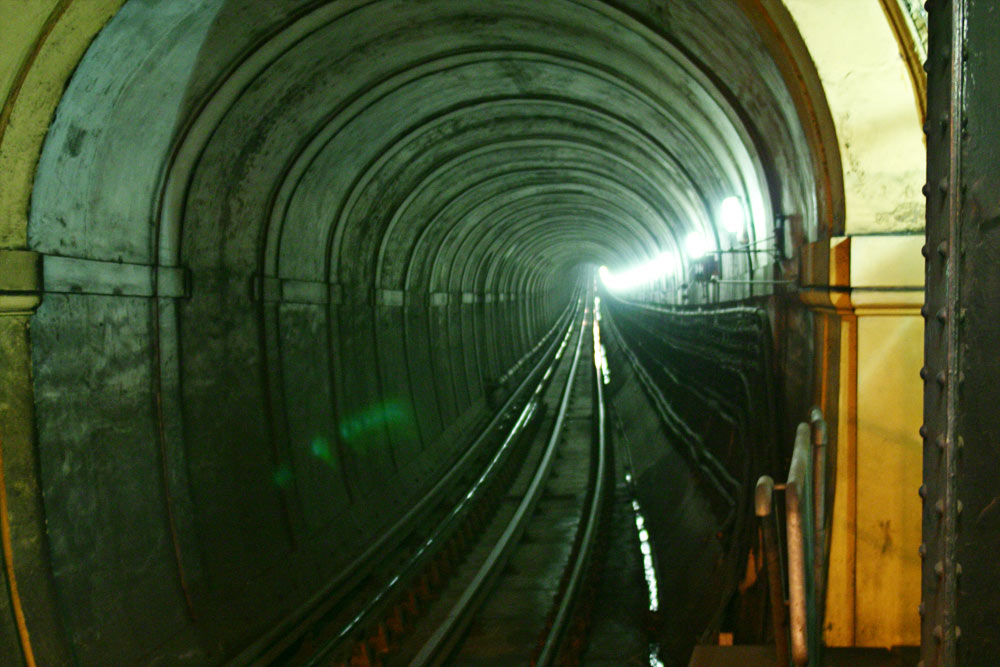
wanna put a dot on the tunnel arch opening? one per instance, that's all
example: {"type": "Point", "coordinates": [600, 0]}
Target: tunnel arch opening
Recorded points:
{"type": "Point", "coordinates": [377, 208]}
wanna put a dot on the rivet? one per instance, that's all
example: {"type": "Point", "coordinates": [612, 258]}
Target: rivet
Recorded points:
{"type": "Point", "coordinates": [942, 316]}
{"type": "Point", "coordinates": [943, 185]}
{"type": "Point", "coordinates": [924, 372]}
{"type": "Point", "coordinates": [924, 311]}
{"type": "Point", "coordinates": [939, 507]}
{"type": "Point", "coordinates": [958, 507]}
{"type": "Point", "coordinates": [938, 633]}
{"type": "Point", "coordinates": [958, 569]}
{"type": "Point", "coordinates": [923, 249]}
{"type": "Point", "coordinates": [943, 248]}
{"type": "Point", "coordinates": [922, 550]}
{"type": "Point", "coordinates": [960, 443]}
{"type": "Point", "coordinates": [958, 633]}
{"type": "Point", "coordinates": [923, 431]}
{"type": "Point", "coordinates": [925, 190]}
{"type": "Point", "coordinates": [941, 378]}
{"type": "Point", "coordinates": [922, 492]}
{"type": "Point", "coordinates": [927, 127]}
{"type": "Point", "coordinates": [921, 609]}
{"type": "Point", "coordinates": [941, 441]}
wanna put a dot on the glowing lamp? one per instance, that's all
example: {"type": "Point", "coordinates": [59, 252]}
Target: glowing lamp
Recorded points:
{"type": "Point", "coordinates": [696, 244]}
{"type": "Point", "coordinates": [733, 215]}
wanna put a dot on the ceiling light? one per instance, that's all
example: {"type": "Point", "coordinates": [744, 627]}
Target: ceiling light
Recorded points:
{"type": "Point", "coordinates": [733, 215]}
{"type": "Point", "coordinates": [696, 244]}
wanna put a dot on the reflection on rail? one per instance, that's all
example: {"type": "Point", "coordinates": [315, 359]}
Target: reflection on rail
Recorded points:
{"type": "Point", "coordinates": [356, 617]}
{"type": "Point", "coordinates": [539, 467]}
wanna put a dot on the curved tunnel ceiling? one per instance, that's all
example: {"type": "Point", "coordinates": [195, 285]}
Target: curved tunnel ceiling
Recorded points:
{"type": "Point", "coordinates": [379, 205]}
{"type": "Point", "coordinates": [367, 124]}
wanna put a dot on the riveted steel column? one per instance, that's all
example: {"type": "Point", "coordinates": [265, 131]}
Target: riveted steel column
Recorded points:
{"type": "Point", "coordinates": [961, 432]}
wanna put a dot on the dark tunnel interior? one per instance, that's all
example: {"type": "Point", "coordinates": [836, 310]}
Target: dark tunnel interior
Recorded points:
{"type": "Point", "coordinates": [365, 213]}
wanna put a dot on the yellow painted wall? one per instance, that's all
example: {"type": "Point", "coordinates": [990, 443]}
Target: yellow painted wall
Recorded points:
{"type": "Point", "coordinates": [874, 579]}
{"type": "Point", "coordinates": [841, 598]}
{"type": "Point", "coordinates": [889, 471]}
{"type": "Point", "coordinates": [42, 42]}
{"type": "Point", "coordinates": [871, 98]}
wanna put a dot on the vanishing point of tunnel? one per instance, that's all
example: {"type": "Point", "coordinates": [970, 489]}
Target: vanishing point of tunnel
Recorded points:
{"type": "Point", "coordinates": [295, 296]}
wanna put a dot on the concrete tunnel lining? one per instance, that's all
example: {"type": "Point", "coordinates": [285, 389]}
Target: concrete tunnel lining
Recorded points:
{"type": "Point", "coordinates": [321, 173]}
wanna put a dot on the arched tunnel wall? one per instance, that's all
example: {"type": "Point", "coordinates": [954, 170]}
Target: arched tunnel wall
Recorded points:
{"type": "Point", "coordinates": [289, 250]}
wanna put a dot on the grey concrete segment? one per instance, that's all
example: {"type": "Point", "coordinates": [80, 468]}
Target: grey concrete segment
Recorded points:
{"type": "Point", "coordinates": [363, 212]}
{"type": "Point", "coordinates": [86, 276]}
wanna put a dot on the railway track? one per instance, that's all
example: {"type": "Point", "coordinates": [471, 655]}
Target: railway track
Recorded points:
{"type": "Point", "coordinates": [487, 568]}
{"type": "Point", "coordinates": [512, 600]}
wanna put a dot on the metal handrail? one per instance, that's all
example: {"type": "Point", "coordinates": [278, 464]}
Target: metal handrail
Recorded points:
{"type": "Point", "coordinates": [808, 513]}
{"type": "Point", "coordinates": [824, 485]}
{"type": "Point", "coordinates": [798, 522]}
{"type": "Point", "coordinates": [764, 509]}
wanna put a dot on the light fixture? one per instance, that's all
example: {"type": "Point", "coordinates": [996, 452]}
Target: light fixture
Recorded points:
{"type": "Point", "coordinates": [696, 244]}
{"type": "Point", "coordinates": [733, 215]}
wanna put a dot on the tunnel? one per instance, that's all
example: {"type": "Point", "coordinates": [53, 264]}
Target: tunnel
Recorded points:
{"type": "Point", "coordinates": [293, 256]}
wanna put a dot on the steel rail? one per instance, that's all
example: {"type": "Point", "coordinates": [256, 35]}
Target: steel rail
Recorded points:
{"type": "Point", "coordinates": [436, 649]}
{"type": "Point", "coordinates": [568, 599]}
{"type": "Point", "coordinates": [267, 648]}
{"type": "Point", "coordinates": [443, 529]}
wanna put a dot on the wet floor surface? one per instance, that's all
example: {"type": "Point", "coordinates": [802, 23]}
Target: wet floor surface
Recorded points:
{"type": "Point", "coordinates": [617, 633]}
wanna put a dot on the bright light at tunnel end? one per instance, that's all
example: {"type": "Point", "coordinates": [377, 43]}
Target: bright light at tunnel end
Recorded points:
{"type": "Point", "coordinates": [665, 264]}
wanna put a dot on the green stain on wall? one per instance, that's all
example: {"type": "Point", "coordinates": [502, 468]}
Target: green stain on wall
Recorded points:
{"type": "Point", "coordinates": [283, 476]}
{"type": "Point", "coordinates": [359, 430]}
